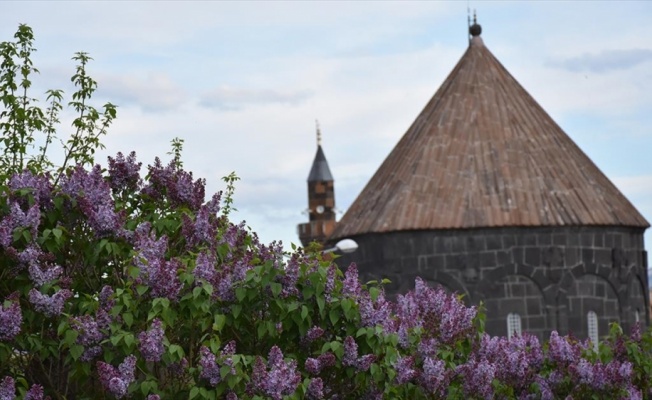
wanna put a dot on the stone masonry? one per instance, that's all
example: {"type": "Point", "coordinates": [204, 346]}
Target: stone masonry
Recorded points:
{"type": "Point", "coordinates": [551, 276]}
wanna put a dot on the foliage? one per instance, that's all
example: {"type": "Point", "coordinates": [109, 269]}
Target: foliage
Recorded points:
{"type": "Point", "coordinates": [118, 285]}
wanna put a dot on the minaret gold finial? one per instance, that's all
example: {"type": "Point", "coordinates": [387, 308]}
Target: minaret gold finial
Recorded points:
{"type": "Point", "coordinates": [318, 133]}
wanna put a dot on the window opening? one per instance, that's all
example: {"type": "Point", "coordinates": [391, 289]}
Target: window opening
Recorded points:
{"type": "Point", "coordinates": [592, 321]}
{"type": "Point", "coordinates": [513, 325]}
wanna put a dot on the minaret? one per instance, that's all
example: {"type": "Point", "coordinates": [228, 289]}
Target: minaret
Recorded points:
{"type": "Point", "coordinates": [321, 200]}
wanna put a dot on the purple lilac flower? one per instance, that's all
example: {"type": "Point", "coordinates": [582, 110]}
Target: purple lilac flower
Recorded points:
{"type": "Point", "coordinates": [377, 312]}
{"type": "Point", "coordinates": [313, 366]}
{"type": "Point", "coordinates": [477, 378]}
{"type": "Point", "coordinates": [40, 185]}
{"type": "Point", "coordinates": [290, 277]}
{"type": "Point", "coordinates": [151, 342]}
{"type": "Point", "coordinates": [434, 379]}
{"type": "Point", "coordinates": [350, 352]}
{"type": "Point", "coordinates": [124, 173]}
{"type": "Point", "coordinates": [315, 389]}
{"type": "Point", "coordinates": [34, 393]}
{"type": "Point", "coordinates": [326, 359]}
{"type": "Point", "coordinates": [363, 363]}
{"type": "Point", "coordinates": [117, 380]}
{"type": "Point", "coordinates": [282, 378]}
{"type": "Point", "coordinates": [153, 397]}
{"type": "Point", "coordinates": [40, 276]}
{"type": "Point", "coordinates": [205, 267]}
{"type": "Point", "coordinates": [231, 396]}
{"type": "Point", "coordinates": [351, 285]}
{"type": "Point", "coordinates": [330, 282]}
{"type": "Point", "coordinates": [160, 275]}
{"type": "Point", "coordinates": [313, 334]}
{"type": "Point", "coordinates": [519, 358]}
{"type": "Point", "coordinates": [11, 318]}
{"type": "Point", "coordinates": [174, 184]}
{"type": "Point", "coordinates": [561, 351]}
{"type": "Point", "coordinates": [93, 195]}
{"type": "Point", "coordinates": [105, 298]}
{"type": "Point", "coordinates": [51, 306]}
{"type": "Point", "coordinates": [210, 369]}
{"type": "Point", "coordinates": [7, 389]}
{"type": "Point", "coordinates": [89, 336]}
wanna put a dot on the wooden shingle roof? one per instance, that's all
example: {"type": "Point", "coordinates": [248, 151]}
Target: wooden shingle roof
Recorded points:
{"type": "Point", "coordinates": [483, 153]}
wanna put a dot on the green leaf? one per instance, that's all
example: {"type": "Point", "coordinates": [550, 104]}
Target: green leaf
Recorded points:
{"type": "Point", "coordinates": [240, 293]}
{"type": "Point", "coordinates": [334, 315]}
{"type": "Point", "coordinates": [304, 312]}
{"type": "Point", "coordinates": [236, 309]}
{"type": "Point", "coordinates": [76, 351]}
{"type": "Point", "coordinates": [128, 318]}
{"type": "Point", "coordinates": [193, 392]}
{"type": "Point", "coordinates": [219, 319]}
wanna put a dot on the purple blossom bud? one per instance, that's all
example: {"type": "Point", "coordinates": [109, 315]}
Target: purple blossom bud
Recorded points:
{"type": "Point", "coordinates": [105, 298]}
{"type": "Point", "coordinates": [350, 352]}
{"type": "Point", "coordinates": [327, 359]}
{"type": "Point", "coordinates": [34, 393]}
{"type": "Point", "coordinates": [151, 342]}
{"type": "Point", "coordinates": [330, 282]}
{"type": "Point", "coordinates": [282, 378]}
{"type": "Point", "coordinates": [42, 276]}
{"type": "Point", "coordinates": [315, 389]}
{"type": "Point", "coordinates": [231, 396]}
{"type": "Point", "coordinates": [124, 173]}
{"type": "Point", "coordinates": [561, 351]}
{"type": "Point", "coordinates": [11, 319]}
{"type": "Point", "coordinates": [313, 334]}
{"type": "Point", "coordinates": [363, 363]}
{"type": "Point", "coordinates": [51, 306]}
{"type": "Point", "coordinates": [404, 370]}
{"type": "Point", "coordinates": [313, 366]}
{"type": "Point", "coordinates": [351, 285]}
{"type": "Point", "coordinates": [477, 378]}
{"type": "Point", "coordinates": [205, 267]}
{"type": "Point", "coordinates": [7, 388]}
{"type": "Point", "coordinates": [153, 397]}
{"type": "Point", "coordinates": [434, 379]}
{"type": "Point", "coordinates": [117, 380]}
{"type": "Point", "coordinates": [40, 185]}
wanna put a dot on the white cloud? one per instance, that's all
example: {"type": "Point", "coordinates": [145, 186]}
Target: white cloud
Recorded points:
{"type": "Point", "coordinates": [228, 98]}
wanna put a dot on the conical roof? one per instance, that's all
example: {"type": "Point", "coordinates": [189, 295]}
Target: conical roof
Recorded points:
{"type": "Point", "coordinates": [319, 170]}
{"type": "Point", "coordinates": [483, 153]}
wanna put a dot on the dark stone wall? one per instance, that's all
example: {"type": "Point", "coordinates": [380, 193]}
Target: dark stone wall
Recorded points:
{"type": "Point", "coordinates": [551, 276]}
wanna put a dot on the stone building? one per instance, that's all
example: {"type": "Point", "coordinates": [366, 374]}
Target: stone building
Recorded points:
{"type": "Point", "coordinates": [488, 197]}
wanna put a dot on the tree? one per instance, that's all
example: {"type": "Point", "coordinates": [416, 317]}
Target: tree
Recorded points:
{"type": "Point", "coordinates": [118, 285]}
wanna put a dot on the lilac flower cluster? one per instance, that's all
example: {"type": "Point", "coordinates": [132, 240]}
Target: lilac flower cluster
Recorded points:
{"type": "Point", "coordinates": [174, 184]}
{"type": "Point", "coordinates": [441, 315]}
{"type": "Point", "coordinates": [41, 275]}
{"type": "Point", "coordinates": [315, 389]}
{"type": "Point", "coordinates": [204, 228]}
{"type": "Point", "coordinates": [117, 380]}
{"type": "Point", "coordinates": [17, 218]}
{"type": "Point", "coordinates": [435, 378]}
{"type": "Point", "coordinates": [376, 312]}
{"type": "Point", "coordinates": [158, 273]}
{"type": "Point", "coordinates": [210, 368]}
{"type": "Point", "coordinates": [477, 377]}
{"type": "Point", "coordinates": [351, 359]}
{"type": "Point", "coordinates": [280, 380]}
{"type": "Point", "coordinates": [124, 173]}
{"type": "Point", "coordinates": [315, 365]}
{"type": "Point", "coordinates": [11, 319]}
{"type": "Point", "coordinates": [93, 196]}
{"type": "Point", "coordinates": [223, 280]}
{"type": "Point", "coordinates": [51, 306]}
{"type": "Point", "coordinates": [518, 358]}
{"type": "Point", "coordinates": [34, 393]}
{"type": "Point", "coordinates": [151, 342]}
{"type": "Point", "coordinates": [7, 388]}
{"type": "Point", "coordinates": [351, 285]}
{"type": "Point", "coordinates": [40, 185]}
{"type": "Point", "coordinates": [405, 371]}
{"type": "Point", "coordinates": [90, 336]}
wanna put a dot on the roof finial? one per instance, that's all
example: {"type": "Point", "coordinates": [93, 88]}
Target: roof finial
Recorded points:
{"type": "Point", "coordinates": [475, 29]}
{"type": "Point", "coordinates": [468, 19]}
{"type": "Point", "coordinates": [318, 133]}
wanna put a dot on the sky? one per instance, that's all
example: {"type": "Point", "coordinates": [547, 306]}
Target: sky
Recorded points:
{"type": "Point", "coordinates": [243, 83]}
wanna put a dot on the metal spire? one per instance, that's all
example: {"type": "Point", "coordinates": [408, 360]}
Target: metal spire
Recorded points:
{"type": "Point", "coordinates": [318, 133]}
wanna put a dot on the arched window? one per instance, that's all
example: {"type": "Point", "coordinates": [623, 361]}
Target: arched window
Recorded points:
{"type": "Point", "coordinates": [513, 325]}
{"type": "Point", "coordinates": [592, 321]}
{"type": "Point", "coordinates": [637, 316]}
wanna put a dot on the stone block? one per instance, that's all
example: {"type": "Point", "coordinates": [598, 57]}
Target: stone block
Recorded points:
{"type": "Point", "coordinates": [533, 256]}
{"type": "Point", "coordinates": [488, 259]}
